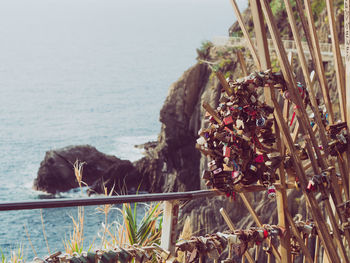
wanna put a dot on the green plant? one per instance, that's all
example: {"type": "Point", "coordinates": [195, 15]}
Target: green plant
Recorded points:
{"type": "Point", "coordinates": [75, 243]}
{"type": "Point", "coordinates": [17, 255]}
{"type": "Point", "coordinates": [278, 7]}
{"type": "Point", "coordinates": [203, 51]}
{"type": "Point", "coordinates": [131, 231]}
{"type": "Point", "coordinates": [3, 257]}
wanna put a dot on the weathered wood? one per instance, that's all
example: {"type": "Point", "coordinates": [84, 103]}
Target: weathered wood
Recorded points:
{"type": "Point", "coordinates": [314, 47]}
{"type": "Point", "coordinates": [296, 131]}
{"type": "Point", "coordinates": [224, 83]}
{"type": "Point", "coordinates": [324, 234]}
{"type": "Point", "coordinates": [259, 223]}
{"type": "Point", "coordinates": [317, 249]}
{"type": "Point", "coordinates": [264, 58]}
{"type": "Point", "coordinates": [306, 245]}
{"type": "Point", "coordinates": [330, 248]}
{"type": "Point", "coordinates": [337, 196]}
{"type": "Point", "coordinates": [242, 62]}
{"type": "Point", "coordinates": [232, 228]}
{"type": "Point", "coordinates": [338, 61]}
{"type": "Point", "coordinates": [212, 112]}
{"type": "Point", "coordinates": [246, 34]}
{"type": "Point", "coordinates": [170, 216]}
{"type": "Point", "coordinates": [260, 35]}
{"type": "Point", "coordinates": [305, 70]}
{"type": "Point", "coordinates": [316, 211]}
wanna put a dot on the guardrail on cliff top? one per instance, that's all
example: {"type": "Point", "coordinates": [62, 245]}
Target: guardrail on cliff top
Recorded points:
{"type": "Point", "coordinates": [289, 45]}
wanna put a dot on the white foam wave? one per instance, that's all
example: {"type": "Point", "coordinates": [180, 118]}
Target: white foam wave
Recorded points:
{"type": "Point", "coordinates": [124, 147]}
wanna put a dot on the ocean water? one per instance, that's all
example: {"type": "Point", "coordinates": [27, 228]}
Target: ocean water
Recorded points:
{"type": "Point", "coordinates": [86, 72]}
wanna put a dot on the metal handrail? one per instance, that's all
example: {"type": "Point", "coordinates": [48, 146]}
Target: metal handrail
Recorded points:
{"type": "Point", "coordinates": [326, 48]}
{"type": "Point", "coordinates": [69, 202]}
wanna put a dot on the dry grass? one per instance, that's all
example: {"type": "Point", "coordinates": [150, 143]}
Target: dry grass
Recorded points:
{"type": "Point", "coordinates": [186, 234]}
{"type": "Point", "coordinates": [75, 243]}
{"type": "Point", "coordinates": [105, 209]}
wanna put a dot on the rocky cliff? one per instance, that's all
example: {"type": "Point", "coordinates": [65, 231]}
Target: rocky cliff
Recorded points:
{"type": "Point", "coordinates": [173, 164]}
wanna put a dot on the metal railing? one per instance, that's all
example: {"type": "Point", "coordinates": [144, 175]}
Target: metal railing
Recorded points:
{"type": "Point", "coordinates": [69, 202]}
{"type": "Point", "coordinates": [289, 45]}
{"type": "Point", "coordinates": [170, 210]}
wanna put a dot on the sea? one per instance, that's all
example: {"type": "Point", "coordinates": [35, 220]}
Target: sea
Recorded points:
{"type": "Point", "coordinates": [86, 72]}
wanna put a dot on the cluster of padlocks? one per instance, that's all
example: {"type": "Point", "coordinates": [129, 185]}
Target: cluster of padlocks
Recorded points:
{"type": "Point", "coordinates": [239, 135]}
{"type": "Point", "coordinates": [339, 138]}
{"type": "Point", "coordinates": [237, 242]}
{"type": "Point", "coordinates": [132, 253]}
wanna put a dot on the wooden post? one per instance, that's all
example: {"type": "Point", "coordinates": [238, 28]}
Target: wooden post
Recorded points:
{"type": "Point", "coordinates": [170, 216]}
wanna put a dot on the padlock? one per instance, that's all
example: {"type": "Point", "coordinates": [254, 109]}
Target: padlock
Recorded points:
{"type": "Point", "coordinates": [212, 165]}
{"type": "Point", "coordinates": [201, 141]}
{"type": "Point", "coordinates": [271, 192]}
{"type": "Point", "coordinates": [227, 151]}
{"type": "Point", "coordinates": [341, 138]}
{"type": "Point", "coordinates": [237, 175]}
{"type": "Point", "coordinates": [308, 229]}
{"type": "Point", "coordinates": [259, 158]}
{"type": "Point", "coordinates": [260, 121]}
{"type": "Point", "coordinates": [253, 168]}
{"type": "Point", "coordinates": [311, 186]}
{"type": "Point", "coordinates": [228, 120]}
{"type": "Point", "coordinates": [217, 171]}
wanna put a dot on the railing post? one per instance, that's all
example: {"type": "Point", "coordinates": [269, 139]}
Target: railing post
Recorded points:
{"type": "Point", "coordinates": [170, 217]}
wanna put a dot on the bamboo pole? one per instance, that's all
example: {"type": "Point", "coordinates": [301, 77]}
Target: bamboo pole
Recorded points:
{"type": "Point", "coordinates": [246, 34]}
{"type": "Point", "coordinates": [338, 61]}
{"type": "Point", "coordinates": [224, 83]}
{"type": "Point", "coordinates": [311, 37]}
{"type": "Point", "coordinates": [264, 58]}
{"type": "Point", "coordinates": [260, 35]}
{"type": "Point", "coordinates": [306, 245]}
{"type": "Point", "coordinates": [306, 73]}
{"type": "Point", "coordinates": [330, 248]}
{"type": "Point", "coordinates": [339, 70]}
{"type": "Point", "coordinates": [242, 63]}
{"type": "Point", "coordinates": [320, 223]}
{"type": "Point", "coordinates": [317, 249]}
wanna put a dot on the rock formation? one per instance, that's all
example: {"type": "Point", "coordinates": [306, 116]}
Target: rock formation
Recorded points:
{"type": "Point", "coordinates": [56, 173]}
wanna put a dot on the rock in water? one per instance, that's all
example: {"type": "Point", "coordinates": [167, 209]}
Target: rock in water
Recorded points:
{"type": "Point", "coordinates": [56, 172]}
